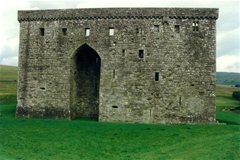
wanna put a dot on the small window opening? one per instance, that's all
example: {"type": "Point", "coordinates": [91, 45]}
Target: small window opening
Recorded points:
{"type": "Point", "coordinates": [141, 53]}
{"type": "Point", "coordinates": [87, 31]}
{"type": "Point", "coordinates": [195, 26]}
{"type": "Point", "coordinates": [180, 101]}
{"type": "Point", "coordinates": [114, 106]}
{"type": "Point", "coordinates": [156, 76]}
{"type": "Point", "coordinates": [123, 51]}
{"type": "Point", "coordinates": [111, 31]}
{"type": "Point", "coordinates": [42, 88]}
{"type": "Point", "coordinates": [42, 31]}
{"type": "Point", "coordinates": [64, 31]}
{"type": "Point", "coordinates": [113, 73]}
{"type": "Point", "coordinates": [177, 28]}
{"type": "Point", "coordinates": [138, 30]}
{"type": "Point", "coordinates": [156, 28]}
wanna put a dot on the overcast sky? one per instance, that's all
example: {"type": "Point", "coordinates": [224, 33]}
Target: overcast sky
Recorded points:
{"type": "Point", "coordinates": [228, 24]}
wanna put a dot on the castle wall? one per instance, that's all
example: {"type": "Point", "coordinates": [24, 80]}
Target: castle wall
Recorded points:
{"type": "Point", "coordinates": [154, 68]}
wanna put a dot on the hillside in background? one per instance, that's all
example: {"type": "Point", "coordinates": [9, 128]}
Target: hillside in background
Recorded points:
{"type": "Point", "coordinates": [228, 78]}
{"type": "Point", "coordinates": [8, 79]}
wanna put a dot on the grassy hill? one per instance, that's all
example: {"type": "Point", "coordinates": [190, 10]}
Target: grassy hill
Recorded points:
{"type": "Point", "coordinates": [47, 139]}
{"type": "Point", "coordinates": [228, 78]}
{"type": "Point", "coordinates": [228, 109]}
{"type": "Point", "coordinates": [8, 79]}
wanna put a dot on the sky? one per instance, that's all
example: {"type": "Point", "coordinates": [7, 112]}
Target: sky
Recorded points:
{"type": "Point", "coordinates": [228, 23]}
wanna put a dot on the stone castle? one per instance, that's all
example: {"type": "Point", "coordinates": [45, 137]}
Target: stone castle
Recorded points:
{"type": "Point", "coordinates": [140, 65]}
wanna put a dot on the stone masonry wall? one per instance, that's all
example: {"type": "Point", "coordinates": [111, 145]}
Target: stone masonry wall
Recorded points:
{"type": "Point", "coordinates": [157, 67]}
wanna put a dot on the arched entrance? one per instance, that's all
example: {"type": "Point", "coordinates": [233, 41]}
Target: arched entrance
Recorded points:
{"type": "Point", "coordinates": [85, 82]}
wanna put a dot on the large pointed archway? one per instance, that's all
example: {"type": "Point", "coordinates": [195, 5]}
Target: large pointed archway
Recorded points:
{"type": "Point", "coordinates": [85, 71]}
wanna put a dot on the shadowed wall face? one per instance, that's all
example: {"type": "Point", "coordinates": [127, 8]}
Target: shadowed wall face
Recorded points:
{"type": "Point", "coordinates": [85, 90]}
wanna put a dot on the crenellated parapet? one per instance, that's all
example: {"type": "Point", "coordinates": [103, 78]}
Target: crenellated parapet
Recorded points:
{"type": "Point", "coordinates": [117, 13]}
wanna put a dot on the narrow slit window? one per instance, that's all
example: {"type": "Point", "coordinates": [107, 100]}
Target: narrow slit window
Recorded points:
{"type": "Point", "coordinates": [180, 101]}
{"type": "Point", "coordinates": [141, 53]}
{"type": "Point", "coordinates": [114, 106]}
{"type": "Point", "coordinates": [111, 31]}
{"type": "Point", "coordinates": [137, 30]}
{"type": "Point", "coordinates": [156, 28]}
{"type": "Point", "coordinates": [87, 32]}
{"type": "Point", "coordinates": [114, 74]}
{"type": "Point", "coordinates": [42, 88]}
{"type": "Point", "coordinates": [42, 31]}
{"type": "Point", "coordinates": [177, 28]}
{"type": "Point", "coordinates": [123, 52]}
{"type": "Point", "coordinates": [64, 31]}
{"type": "Point", "coordinates": [195, 26]}
{"type": "Point", "coordinates": [156, 76]}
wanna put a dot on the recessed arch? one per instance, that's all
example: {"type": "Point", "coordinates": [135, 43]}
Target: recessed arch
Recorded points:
{"type": "Point", "coordinates": [85, 81]}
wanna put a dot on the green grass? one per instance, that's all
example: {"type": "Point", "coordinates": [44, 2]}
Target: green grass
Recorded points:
{"type": "Point", "coordinates": [228, 117]}
{"type": "Point", "coordinates": [43, 139]}
{"type": "Point", "coordinates": [225, 103]}
{"type": "Point", "coordinates": [47, 139]}
{"type": "Point", "coordinates": [8, 80]}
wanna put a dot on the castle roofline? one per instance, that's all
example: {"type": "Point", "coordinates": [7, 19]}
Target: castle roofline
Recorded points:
{"type": "Point", "coordinates": [117, 13]}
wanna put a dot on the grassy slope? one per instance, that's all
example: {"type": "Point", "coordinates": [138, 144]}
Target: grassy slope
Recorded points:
{"type": "Point", "coordinates": [224, 100]}
{"type": "Point", "coordinates": [224, 103]}
{"type": "Point", "coordinates": [43, 139]}
{"type": "Point", "coordinates": [8, 79]}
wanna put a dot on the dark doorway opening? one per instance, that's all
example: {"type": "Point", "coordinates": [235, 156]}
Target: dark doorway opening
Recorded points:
{"type": "Point", "coordinates": [85, 84]}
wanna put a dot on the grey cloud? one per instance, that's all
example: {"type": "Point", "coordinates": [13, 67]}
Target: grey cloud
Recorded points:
{"type": "Point", "coordinates": [234, 66]}
{"type": "Point", "coordinates": [228, 17]}
{"type": "Point", "coordinates": [54, 4]}
{"type": "Point", "coordinates": [7, 52]}
{"type": "Point", "coordinates": [229, 45]}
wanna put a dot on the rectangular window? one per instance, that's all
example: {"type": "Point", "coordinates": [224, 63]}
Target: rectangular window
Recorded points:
{"type": "Point", "coordinates": [123, 52]}
{"type": "Point", "coordinates": [111, 31]}
{"type": "Point", "coordinates": [156, 28]}
{"type": "Point", "coordinates": [41, 31]}
{"type": "Point", "coordinates": [114, 74]}
{"type": "Point", "coordinates": [141, 53]}
{"type": "Point", "coordinates": [177, 28]}
{"type": "Point", "coordinates": [156, 76]}
{"type": "Point", "coordinates": [180, 101]}
{"type": "Point", "coordinates": [137, 30]}
{"type": "Point", "coordinates": [87, 32]}
{"type": "Point", "coordinates": [195, 26]}
{"type": "Point", "coordinates": [64, 31]}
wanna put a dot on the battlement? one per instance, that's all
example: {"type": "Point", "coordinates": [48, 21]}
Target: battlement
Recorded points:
{"type": "Point", "coordinates": [118, 13]}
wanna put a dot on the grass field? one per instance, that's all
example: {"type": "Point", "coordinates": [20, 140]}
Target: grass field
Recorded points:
{"type": "Point", "coordinates": [46, 139]}
{"type": "Point", "coordinates": [8, 79]}
{"type": "Point", "coordinates": [225, 103]}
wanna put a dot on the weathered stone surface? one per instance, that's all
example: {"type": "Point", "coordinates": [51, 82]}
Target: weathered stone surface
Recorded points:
{"type": "Point", "coordinates": [157, 66]}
